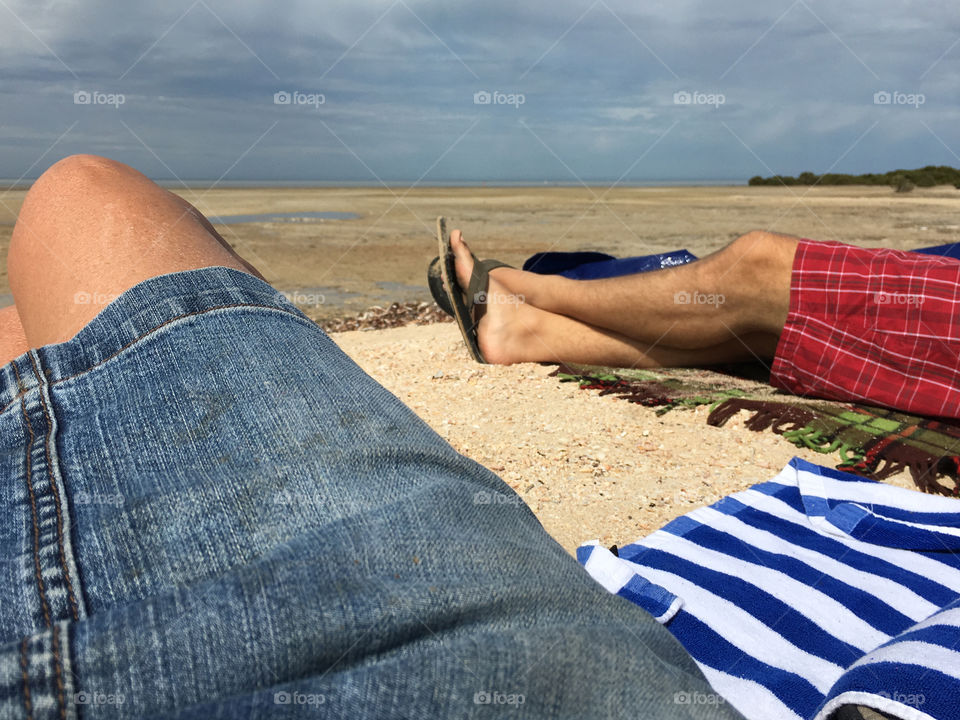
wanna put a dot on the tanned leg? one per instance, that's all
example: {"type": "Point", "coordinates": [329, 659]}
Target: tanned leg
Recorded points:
{"type": "Point", "coordinates": [729, 306]}
{"type": "Point", "coordinates": [91, 228]}
{"type": "Point", "coordinates": [13, 341]}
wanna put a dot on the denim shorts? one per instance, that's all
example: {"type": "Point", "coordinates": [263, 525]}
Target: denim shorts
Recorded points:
{"type": "Point", "coordinates": [209, 511]}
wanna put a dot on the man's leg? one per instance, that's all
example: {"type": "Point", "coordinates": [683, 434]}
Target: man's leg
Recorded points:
{"type": "Point", "coordinates": [13, 342]}
{"type": "Point", "coordinates": [732, 303]}
{"type": "Point", "coordinates": [91, 228]}
{"type": "Point", "coordinates": [210, 510]}
{"type": "Point", "coordinates": [513, 332]}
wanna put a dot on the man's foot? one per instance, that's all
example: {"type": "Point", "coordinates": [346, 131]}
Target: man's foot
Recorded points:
{"type": "Point", "coordinates": [506, 321]}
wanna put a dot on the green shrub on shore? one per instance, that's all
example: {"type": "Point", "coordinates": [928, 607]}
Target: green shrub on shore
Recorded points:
{"type": "Point", "coordinates": [921, 177]}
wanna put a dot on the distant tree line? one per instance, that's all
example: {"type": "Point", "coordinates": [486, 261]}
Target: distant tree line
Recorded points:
{"type": "Point", "coordinates": [900, 180]}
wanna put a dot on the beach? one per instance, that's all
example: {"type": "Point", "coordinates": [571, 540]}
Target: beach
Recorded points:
{"type": "Point", "coordinates": [589, 466]}
{"type": "Point", "coordinates": [344, 266]}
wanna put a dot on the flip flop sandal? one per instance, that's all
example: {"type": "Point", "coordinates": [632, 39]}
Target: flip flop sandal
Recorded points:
{"type": "Point", "coordinates": [463, 304]}
{"type": "Point", "coordinates": [435, 283]}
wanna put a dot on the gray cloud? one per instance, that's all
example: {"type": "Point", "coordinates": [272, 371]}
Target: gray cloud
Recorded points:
{"type": "Point", "coordinates": [598, 81]}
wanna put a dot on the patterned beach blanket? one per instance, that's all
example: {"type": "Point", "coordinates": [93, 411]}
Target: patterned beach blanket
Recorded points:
{"type": "Point", "coordinates": [868, 441]}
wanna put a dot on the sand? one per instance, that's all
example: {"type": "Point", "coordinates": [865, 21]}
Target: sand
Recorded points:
{"type": "Point", "coordinates": [382, 256]}
{"type": "Point", "coordinates": [590, 467]}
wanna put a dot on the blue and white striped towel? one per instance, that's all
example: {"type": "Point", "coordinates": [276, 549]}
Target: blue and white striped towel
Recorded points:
{"type": "Point", "coordinates": [814, 590]}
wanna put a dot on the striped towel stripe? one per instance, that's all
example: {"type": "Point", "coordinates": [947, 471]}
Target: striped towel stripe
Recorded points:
{"type": "Point", "coordinates": [811, 591]}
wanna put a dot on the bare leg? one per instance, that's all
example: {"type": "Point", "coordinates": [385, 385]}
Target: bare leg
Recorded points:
{"type": "Point", "coordinates": [522, 333]}
{"type": "Point", "coordinates": [642, 320]}
{"type": "Point", "coordinates": [13, 342]}
{"type": "Point", "coordinates": [91, 228]}
{"type": "Point", "coordinates": [741, 289]}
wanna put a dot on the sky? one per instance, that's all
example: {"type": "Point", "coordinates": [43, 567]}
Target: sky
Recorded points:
{"type": "Point", "coordinates": [420, 91]}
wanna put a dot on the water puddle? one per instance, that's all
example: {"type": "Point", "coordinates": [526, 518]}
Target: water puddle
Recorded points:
{"type": "Point", "coordinates": [291, 217]}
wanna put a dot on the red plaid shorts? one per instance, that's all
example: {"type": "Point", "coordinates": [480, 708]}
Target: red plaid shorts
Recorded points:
{"type": "Point", "coordinates": [876, 326]}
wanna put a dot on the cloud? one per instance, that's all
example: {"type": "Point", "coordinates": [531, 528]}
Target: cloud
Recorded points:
{"type": "Point", "coordinates": [399, 76]}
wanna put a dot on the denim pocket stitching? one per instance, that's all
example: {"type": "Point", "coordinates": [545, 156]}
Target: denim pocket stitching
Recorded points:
{"type": "Point", "coordinates": [57, 502]}
{"type": "Point", "coordinates": [168, 322]}
{"type": "Point", "coordinates": [33, 511]}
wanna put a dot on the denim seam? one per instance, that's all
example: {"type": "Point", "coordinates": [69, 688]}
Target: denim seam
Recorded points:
{"type": "Point", "coordinates": [140, 337]}
{"type": "Point", "coordinates": [168, 322]}
{"type": "Point", "coordinates": [42, 380]}
{"type": "Point", "coordinates": [33, 509]}
{"type": "Point", "coordinates": [26, 679]}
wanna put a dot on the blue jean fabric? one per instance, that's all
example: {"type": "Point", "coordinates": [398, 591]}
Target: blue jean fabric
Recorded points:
{"type": "Point", "coordinates": [209, 511]}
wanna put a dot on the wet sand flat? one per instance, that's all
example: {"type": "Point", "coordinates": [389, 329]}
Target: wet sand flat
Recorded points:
{"type": "Point", "coordinates": [381, 256]}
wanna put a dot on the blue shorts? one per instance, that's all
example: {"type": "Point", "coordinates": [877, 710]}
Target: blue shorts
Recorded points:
{"type": "Point", "coordinates": [209, 511]}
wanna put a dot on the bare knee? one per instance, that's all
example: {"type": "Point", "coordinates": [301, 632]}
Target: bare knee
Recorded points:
{"type": "Point", "coordinates": [77, 175]}
{"type": "Point", "coordinates": [95, 225]}
{"type": "Point", "coordinates": [762, 251]}
{"type": "Point", "coordinates": [76, 187]}
{"type": "Point", "coordinates": [758, 243]}
{"type": "Point", "coordinates": [67, 190]}
{"type": "Point", "coordinates": [761, 262]}
{"type": "Point", "coordinates": [80, 161]}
